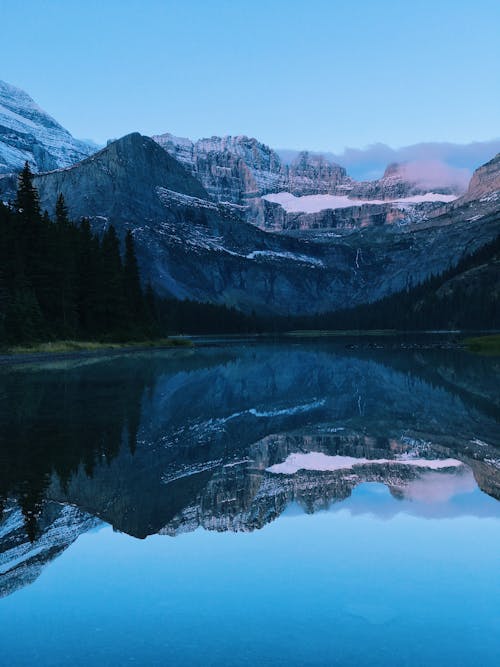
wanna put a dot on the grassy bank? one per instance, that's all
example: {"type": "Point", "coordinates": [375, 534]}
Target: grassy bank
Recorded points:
{"type": "Point", "coordinates": [484, 344]}
{"type": "Point", "coordinates": [64, 346]}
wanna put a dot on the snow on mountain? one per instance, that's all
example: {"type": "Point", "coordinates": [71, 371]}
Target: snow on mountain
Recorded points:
{"type": "Point", "coordinates": [316, 203]}
{"type": "Point", "coordinates": [29, 133]}
{"type": "Point", "coordinates": [243, 171]}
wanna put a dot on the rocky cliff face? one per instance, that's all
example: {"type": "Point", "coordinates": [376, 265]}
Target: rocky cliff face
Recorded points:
{"type": "Point", "coordinates": [485, 182]}
{"type": "Point", "coordinates": [344, 219]}
{"type": "Point", "coordinates": [236, 169]}
{"type": "Point", "coordinates": [313, 174]}
{"type": "Point", "coordinates": [242, 170]}
{"type": "Point", "coordinates": [232, 169]}
{"type": "Point", "coordinates": [29, 133]}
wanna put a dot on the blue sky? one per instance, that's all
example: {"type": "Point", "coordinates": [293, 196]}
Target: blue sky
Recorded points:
{"type": "Point", "coordinates": [318, 74]}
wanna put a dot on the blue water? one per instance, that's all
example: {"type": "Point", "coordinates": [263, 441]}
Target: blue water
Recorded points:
{"type": "Point", "coordinates": [232, 565]}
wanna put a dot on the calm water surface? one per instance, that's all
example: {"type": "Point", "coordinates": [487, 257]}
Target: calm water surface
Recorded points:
{"type": "Point", "coordinates": [268, 504]}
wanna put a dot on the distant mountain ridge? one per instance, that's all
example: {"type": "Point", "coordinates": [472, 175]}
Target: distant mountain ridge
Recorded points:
{"type": "Point", "coordinates": [456, 161]}
{"type": "Point", "coordinates": [29, 133]}
{"type": "Point", "coordinates": [239, 168]}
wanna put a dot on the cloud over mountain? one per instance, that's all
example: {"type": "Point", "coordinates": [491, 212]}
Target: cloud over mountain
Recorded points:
{"type": "Point", "coordinates": [449, 163]}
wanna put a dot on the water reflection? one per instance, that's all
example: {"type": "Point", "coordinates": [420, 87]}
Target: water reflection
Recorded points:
{"type": "Point", "coordinates": [229, 438]}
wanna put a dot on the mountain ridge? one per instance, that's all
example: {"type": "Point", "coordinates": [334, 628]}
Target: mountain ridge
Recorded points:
{"type": "Point", "coordinates": [28, 133]}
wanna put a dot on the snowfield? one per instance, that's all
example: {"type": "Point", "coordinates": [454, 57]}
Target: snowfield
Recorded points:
{"type": "Point", "coordinates": [316, 203]}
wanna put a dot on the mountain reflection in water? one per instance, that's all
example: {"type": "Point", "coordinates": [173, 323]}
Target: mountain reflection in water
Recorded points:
{"type": "Point", "coordinates": [230, 438]}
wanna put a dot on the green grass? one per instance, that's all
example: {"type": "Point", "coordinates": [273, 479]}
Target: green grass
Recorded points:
{"type": "Point", "coordinates": [64, 346]}
{"type": "Point", "coordinates": [484, 344]}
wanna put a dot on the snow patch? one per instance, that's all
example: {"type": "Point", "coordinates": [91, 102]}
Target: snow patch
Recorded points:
{"type": "Point", "coordinates": [316, 203]}
{"type": "Point", "coordinates": [271, 254]}
{"type": "Point", "coordinates": [322, 462]}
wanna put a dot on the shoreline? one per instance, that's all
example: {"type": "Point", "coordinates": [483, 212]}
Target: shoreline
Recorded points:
{"type": "Point", "coordinates": [22, 356]}
{"type": "Point", "coordinates": [485, 344]}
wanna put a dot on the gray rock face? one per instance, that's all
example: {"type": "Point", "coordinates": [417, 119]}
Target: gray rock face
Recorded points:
{"type": "Point", "coordinates": [232, 169]}
{"type": "Point", "coordinates": [29, 133]}
{"type": "Point", "coordinates": [119, 182]}
{"type": "Point", "coordinates": [310, 174]}
{"type": "Point", "coordinates": [192, 247]}
{"type": "Point", "coordinates": [485, 182]}
{"type": "Point", "coordinates": [236, 169]}
{"type": "Point", "coordinates": [355, 217]}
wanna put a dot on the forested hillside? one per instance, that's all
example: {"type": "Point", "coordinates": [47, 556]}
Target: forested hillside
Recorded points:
{"type": "Point", "coordinates": [59, 280]}
{"type": "Point", "coordinates": [467, 296]}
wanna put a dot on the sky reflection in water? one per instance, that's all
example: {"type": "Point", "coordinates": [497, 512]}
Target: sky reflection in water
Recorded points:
{"type": "Point", "coordinates": [379, 564]}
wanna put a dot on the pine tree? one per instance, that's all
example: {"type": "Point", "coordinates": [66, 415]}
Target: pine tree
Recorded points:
{"type": "Point", "coordinates": [133, 291]}
{"type": "Point", "coordinates": [89, 280]}
{"type": "Point", "coordinates": [61, 211]}
{"type": "Point", "coordinates": [66, 250]}
{"type": "Point", "coordinates": [27, 203]}
{"type": "Point", "coordinates": [113, 293]}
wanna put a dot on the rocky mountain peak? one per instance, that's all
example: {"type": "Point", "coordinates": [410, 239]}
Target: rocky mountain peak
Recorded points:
{"type": "Point", "coordinates": [310, 173]}
{"type": "Point", "coordinates": [120, 181]}
{"type": "Point", "coordinates": [231, 168]}
{"type": "Point", "coordinates": [27, 132]}
{"type": "Point", "coordinates": [485, 181]}
{"type": "Point", "coordinates": [239, 168]}
{"type": "Point", "coordinates": [394, 169]}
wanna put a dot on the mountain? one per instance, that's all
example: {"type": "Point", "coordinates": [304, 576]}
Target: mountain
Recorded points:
{"type": "Point", "coordinates": [318, 240]}
{"type": "Point", "coordinates": [448, 163]}
{"type": "Point", "coordinates": [244, 171]}
{"type": "Point", "coordinates": [232, 169]}
{"type": "Point", "coordinates": [191, 246]}
{"type": "Point", "coordinates": [236, 169]}
{"type": "Point", "coordinates": [29, 133]}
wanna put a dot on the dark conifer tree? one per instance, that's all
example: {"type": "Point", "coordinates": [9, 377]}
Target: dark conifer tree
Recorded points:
{"type": "Point", "coordinates": [61, 211]}
{"type": "Point", "coordinates": [27, 203]}
{"type": "Point", "coordinates": [114, 312]}
{"type": "Point", "coordinates": [132, 283]}
{"type": "Point", "coordinates": [66, 261]}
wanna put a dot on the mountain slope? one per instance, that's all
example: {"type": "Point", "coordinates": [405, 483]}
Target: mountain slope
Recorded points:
{"type": "Point", "coordinates": [29, 133]}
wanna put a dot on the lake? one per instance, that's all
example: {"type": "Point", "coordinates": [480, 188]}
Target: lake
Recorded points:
{"type": "Point", "coordinates": [254, 502]}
